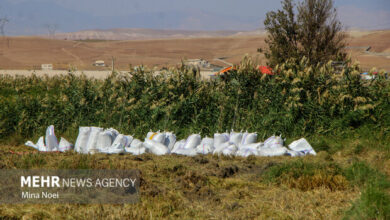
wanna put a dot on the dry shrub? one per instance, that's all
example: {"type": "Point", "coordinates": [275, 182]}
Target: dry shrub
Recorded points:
{"type": "Point", "coordinates": [305, 183]}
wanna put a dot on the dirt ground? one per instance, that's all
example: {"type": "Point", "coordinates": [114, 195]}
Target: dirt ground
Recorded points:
{"type": "Point", "coordinates": [28, 53]}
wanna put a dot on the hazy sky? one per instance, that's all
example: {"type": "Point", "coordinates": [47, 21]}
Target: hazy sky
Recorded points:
{"type": "Point", "coordinates": [30, 16]}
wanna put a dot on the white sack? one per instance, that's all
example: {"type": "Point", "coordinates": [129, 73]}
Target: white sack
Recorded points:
{"type": "Point", "coordinates": [118, 146]}
{"type": "Point", "coordinates": [272, 152]}
{"type": "Point", "coordinates": [31, 144]}
{"type": "Point", "coordinates": [220, 139]}
{"type": "Point", "coordinates": [41, 144]}
{"type": "Point", "coordinates": [92, 140]}
{"type": "Point", "coordinates": [302, 146]}
{"type": "Point", "coordinates": [129, 139]}
{"type": "Point", "coordinates": [186, 151]}
{"type": "Point", "coordinates": [221, 147]}
{"type": "Point", "coordinates": [207, 140]}
{"type": "Point", "coordinates": [230, 150]}
{"type": "Point", "coordinates": [205, 148]}
{"type": "Point", "coordinates": [136, 143]}
{"type": "Point", "coordinates": [136, 147]}
{"type": "Point", "coordinates": [274, 142]}
{"type": "Point", "coordinates": [104, 140]}
{"type": "Point", "coordinates": [246, 152]}
{"type": "Point", "coordinates": [235, 138]}
{"type": "Point", "coordinates": [156, 136]}
{"type": "Point", "coordinates": [114, 133]}
{"type": "Point", "coordinates": [170, 139]}
{"type": "Point", "coordinates": [51, 139]}
{"type": "Point", "coordinates": [249, 138]}
{"type": "Point", "coordinates": [82, 140]}
{"type": "Point", "coordinates": [192, 141]}
{"type": "Point", "coordinates": [150, 133]}
{"type": "Point", "coordinates": [254, 146]}
{"type": "Point", "coordinates": [155, 147]}
{"type": "Point", "coordinates": [64, 145]}
{"type": "Point", "coordinates": [295, 153]}
{"type": "Point", "coordinates": [136, 150]}
{"type": "Point", "coordinates": [178, 145]}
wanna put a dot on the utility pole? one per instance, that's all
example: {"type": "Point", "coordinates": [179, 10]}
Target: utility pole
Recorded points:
{"type": "Point", "coordinates": [51, 29]}
{"type": "Point", "coordinates": [3, 22]}
{"type": "Point", "coordinates": [113, 64]}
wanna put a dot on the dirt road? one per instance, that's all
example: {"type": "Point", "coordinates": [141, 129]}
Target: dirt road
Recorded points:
{"type": "Point", "coordinates": [98, 74]}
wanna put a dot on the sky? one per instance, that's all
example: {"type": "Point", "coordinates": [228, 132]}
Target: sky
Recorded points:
{"type": "Point", "coordinates": [30, 17]}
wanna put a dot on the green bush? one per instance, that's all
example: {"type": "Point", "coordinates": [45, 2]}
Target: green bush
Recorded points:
{"type": "Point", "coordinates": [299, 100]}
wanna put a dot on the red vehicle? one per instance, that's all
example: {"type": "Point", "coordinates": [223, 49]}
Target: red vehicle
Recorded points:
{"type": "Point", "coordinates": [266, 70]}
{"type": "Point", "coordinates": [225, 70]}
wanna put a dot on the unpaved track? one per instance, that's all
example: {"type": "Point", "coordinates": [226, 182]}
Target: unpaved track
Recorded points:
{"type": "Point", "coordinates": [97, 74]}
{"type": "Point", "coordinates": [89, 73]}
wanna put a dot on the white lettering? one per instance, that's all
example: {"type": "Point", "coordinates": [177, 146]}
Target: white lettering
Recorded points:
{"type": "Point", "coordinates": [132, 181]}
{"type": "Point", "coordinates": [35, 181]}
{"type": "Point", "coordinates": [25, 181]}
{"type": "Point", "coordinates": [28, 195]}
{"type": "Point", "coordinates": [45, 181]}
{"type": "Point", "coordinates": [55, 181]}
{"type": "Point", "coordinates": [47, 195]}
{"type": "Point", "coordinates": [40, 181]}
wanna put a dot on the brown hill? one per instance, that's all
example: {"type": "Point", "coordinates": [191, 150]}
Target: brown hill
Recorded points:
{"type": "Point", "coordinates": [31, 52]}
{"type": "Point", "coordinates": [144, 34]}
{"type": "Point", "coordinates": [27, 52]}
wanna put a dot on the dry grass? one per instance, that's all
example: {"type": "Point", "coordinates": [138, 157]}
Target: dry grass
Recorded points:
{"type": "Point", "coordinates": [190, 188]}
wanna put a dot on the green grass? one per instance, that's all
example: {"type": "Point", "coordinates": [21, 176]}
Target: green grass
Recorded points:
{"type": "Point", "coordinates": [374, 203]}
{"type": "Point", "coordinates": [307, 175]}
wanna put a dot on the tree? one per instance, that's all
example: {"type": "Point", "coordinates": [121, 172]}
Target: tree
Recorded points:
{"type": "Point", "coordinates": [315, 32]}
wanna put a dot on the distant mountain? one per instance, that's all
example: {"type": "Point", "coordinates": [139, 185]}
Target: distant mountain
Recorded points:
{"type": "Point", "coordinates": [147, 34]}
{"type": "Point", "coordinates": [30, 18]}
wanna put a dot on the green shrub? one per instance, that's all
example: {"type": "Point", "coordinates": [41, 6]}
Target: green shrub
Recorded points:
{"type": "Point", "coordinates": [299, 100]}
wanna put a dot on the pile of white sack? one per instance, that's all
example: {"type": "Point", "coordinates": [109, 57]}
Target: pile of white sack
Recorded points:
{"type": "Point", "coordinates": [50, 143]}
{"type": "Point", "coordinates": [98, 140]}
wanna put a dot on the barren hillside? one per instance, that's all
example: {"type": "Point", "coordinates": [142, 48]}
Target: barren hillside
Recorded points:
{"type": "Point", "coordinates": [140, 34]}
{"type": "Point", "coordinates": [31, 52]}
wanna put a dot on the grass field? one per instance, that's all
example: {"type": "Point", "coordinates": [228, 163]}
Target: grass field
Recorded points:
{"type": "Point", "coordinates": [346, 120]}
{"type": "Point", "coordinates": [326, 186]}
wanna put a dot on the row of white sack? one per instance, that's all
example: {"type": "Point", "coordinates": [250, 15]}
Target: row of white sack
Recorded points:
{"type": "Point", "coordinates": [97, 140]}
{"type": "Point", "coordinates": [234, 143]}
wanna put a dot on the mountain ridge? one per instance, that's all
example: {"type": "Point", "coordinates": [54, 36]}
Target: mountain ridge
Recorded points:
{"type": "Point", "coordinates": [148, 34]}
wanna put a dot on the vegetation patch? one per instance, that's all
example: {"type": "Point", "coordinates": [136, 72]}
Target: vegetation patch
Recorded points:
{"type": "Point", "coordinates": [374, 203]}
{"type": "Point", "coordinates": [307, 175]}
{"type": "Point", "coordinates": [299, 100]}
